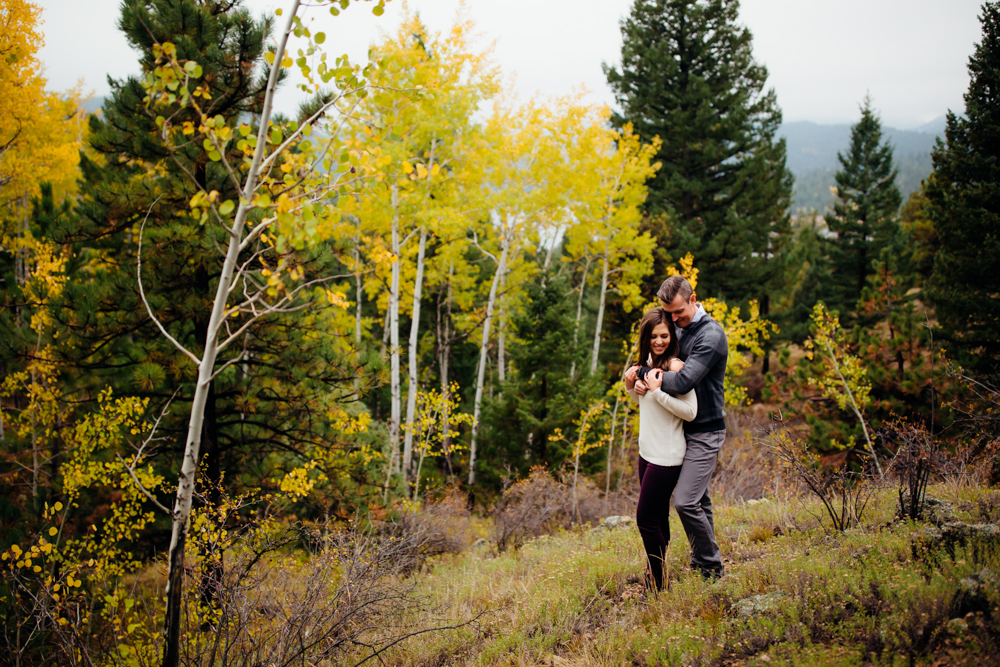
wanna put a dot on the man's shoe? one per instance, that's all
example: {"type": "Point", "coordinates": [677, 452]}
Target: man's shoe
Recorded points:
{"type": "Point", "coordinates": [712, 574]}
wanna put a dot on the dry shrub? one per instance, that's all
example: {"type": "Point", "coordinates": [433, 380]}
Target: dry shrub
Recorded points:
{"type": "Point", "coordinates": [528, 508]}
{"type": "Point", "coordinates": [593, 506]}
{"type": "Point", "coordinates": [917, 458]}
{"type": "Point", "coordinates": [347, 596]}
{"type": "Point", "coordinates": [844, 493]}
{"type": "Point", "coordinates": [434, 527]}
{"type": "Point", "coordinates": [540, 503]}
{"type": "Point", "coordinates": [344, 598]}
{"type": "Point", "coordinates": [272, 611]}
{"type": "Point", "coordinates": [747, 468]}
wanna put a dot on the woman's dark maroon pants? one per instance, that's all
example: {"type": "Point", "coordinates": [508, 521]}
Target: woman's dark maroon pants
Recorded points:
{"type": "Point", "coordinates": [656, 484]}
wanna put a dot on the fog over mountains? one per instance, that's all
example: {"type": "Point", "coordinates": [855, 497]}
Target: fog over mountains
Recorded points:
{"type": "Point", "coordinates": [812, 157]}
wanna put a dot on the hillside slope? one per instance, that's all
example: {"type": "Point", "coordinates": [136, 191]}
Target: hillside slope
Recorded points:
{"type": "Point", "coordinates": [796, 593]}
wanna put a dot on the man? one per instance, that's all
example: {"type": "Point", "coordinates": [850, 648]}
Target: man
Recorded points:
{"type": "Point", "coordinates": [704, 351]}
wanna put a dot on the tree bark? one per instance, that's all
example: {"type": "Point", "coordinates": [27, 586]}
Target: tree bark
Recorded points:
{"type": "Point", "coordinates": [444, 357]}
{"type": "Point", "coordinates": [501, 347]}
{"type": "Point", "coordinates": [411, 391]}
{"type": "Point", "coordinates": [360, 289]}
{"type": "Point", "coordinates": [206, 367]}
{"type": "Point", "coordinates": [579, 314]}
{"type": "Point", "coordinates": [600, 317]}
{"type": "Point", "coordinates": [480, 380]}
{"type": "Point", "coordinates": [394, 387]}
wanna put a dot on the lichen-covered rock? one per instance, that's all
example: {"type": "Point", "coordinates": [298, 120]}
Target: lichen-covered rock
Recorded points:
{"type": "Point", "coordinates": [934, 510]}
{"type": "Point", "coordinates": [617, 521]}
{"type": "Point", "coordinates": [759, 604]}
{"type": "Point", "coordinates": [973, 590]}
{"type": "Point", "coordinates": [951, 535]}
{"type": "Point", "coordinates": [956, 627]}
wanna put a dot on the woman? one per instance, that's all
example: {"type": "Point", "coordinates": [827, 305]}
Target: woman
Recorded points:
{"type": "Point", "coordinates": [661, 435]}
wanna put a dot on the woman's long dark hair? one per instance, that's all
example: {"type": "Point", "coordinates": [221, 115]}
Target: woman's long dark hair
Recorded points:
{"type": "Point", "coordinates": [649, 321]}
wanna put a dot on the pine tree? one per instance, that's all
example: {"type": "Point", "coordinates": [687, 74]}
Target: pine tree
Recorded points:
{"type": "Point", "coordinates": [864, 213]}
{"type": "Point", "coordinates": [964, 205]}
{"type": "Point", "coordinates": [541, 394]}
{"type": "Point", "coordinates": [807, 273]}
{"type": "Point", "coordinates": [688, 76]}
{"type": "Point", "coordinates": [277, 398]}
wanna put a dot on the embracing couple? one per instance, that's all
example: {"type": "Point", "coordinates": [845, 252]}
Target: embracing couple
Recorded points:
{"type": "Point", "coordinates": [678, 386]}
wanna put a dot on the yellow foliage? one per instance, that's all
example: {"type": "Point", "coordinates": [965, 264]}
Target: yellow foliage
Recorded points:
{"type": "Point", "coordinates": [687, 269]}
{"type": "Point", "coordinates": [607, 189]}
{"type": "Point", "coordinates": [844, 378]}
{"type": "Point", "coordinates": [39, 131]}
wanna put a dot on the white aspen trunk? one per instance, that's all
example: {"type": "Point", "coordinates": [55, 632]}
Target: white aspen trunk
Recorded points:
{"type": "Point", "coordinates": [501, 348]}
{"type": "Point", "coordinates": [394, 387]}
{"type": "Point", "coordinates": [357, 306]}
{"type": "Point", "coordinates": [411, 391]}
{"type": "Point", "coordinates": [856, 409]}
{"type": "Point", "coordinates": [444, 355]}
{"type": "Point", "coordinates": [206, 367]}
{"type": "Point", "coordinates": [624, 447]}
{"type": "Point", "coordinates": [600, 317]}
{"type": "Point", "coordinates": [385, 334]}
{"type": "Point", "coordinates": [477, 406]}
{"type": "Point", "coordinates": [548, 254]}
{"type": "Point", "coordinates": [611, 444]}
{"type": "Point", "coordinates": [576, 464]}
{"type": "Point", "coordinates": [360, 289]}
{"type": "Point", "coordinates": [579, 313]}
{"type": "Point", "coordinates": [614, 418]}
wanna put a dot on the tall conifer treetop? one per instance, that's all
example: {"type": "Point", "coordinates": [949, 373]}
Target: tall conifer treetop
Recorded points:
{"type": "Point", "coordinates": [688, 76]}
{"type": "Point", "coordinates": [964, 198]}
{"type": "Point", "coordinates": [864, 214]}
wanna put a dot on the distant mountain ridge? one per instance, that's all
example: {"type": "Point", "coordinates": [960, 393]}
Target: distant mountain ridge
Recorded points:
{"type": "Point", "coordinates": [812, 157]}
{"type": "Point", "coordinates": [93, 104]}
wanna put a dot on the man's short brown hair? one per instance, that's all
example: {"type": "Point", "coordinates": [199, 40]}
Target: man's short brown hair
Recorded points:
{"type": "Point", "coordinates": [673, 286]}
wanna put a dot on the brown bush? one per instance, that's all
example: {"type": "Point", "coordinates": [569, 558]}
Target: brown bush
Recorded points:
{"type": "Point", "coordinates": [540, 503]}
{"type": "Point", "coordinates": [342, 599]}
{"type": "Point", "coordinates": [917, 457]}
{"type": "Point", "coordinates": [435, 527]}
{"type": "Point", "coordinates": [747, 467]}
{"type": "Point", "coordinates": [528, 508]}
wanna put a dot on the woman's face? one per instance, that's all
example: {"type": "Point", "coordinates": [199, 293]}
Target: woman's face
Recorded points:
{"type": "Point", "coordinates": [660, 338]}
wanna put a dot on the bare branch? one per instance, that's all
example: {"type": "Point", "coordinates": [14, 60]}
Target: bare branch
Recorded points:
{"type": "Point", "coordinates": [142, 292]}
{"type": "Point", "coordinates": [277, 307]}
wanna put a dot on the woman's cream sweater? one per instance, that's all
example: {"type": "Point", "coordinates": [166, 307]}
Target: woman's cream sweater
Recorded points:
{"type": "Point", "coordinates": [661, 427]}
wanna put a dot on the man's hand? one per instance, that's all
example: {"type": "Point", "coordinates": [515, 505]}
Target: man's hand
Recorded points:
{"type": "Point", "coordinates": [640, 387]}
{"type": "Point", "coordinates": [654, 379]}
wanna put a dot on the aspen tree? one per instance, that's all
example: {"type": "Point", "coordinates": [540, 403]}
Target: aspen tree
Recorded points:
{"type": "Point", "coordinates": [433, 179]}
{"type": "Point", "coordinates": [613, 168]}
{"type": "Point", "coordinates": [525, 166]}
{"type": "Point", "coordinates": [286, 181]}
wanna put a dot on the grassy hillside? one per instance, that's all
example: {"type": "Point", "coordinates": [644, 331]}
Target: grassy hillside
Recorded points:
{"type": "Point", "coordinates": [866, 596]}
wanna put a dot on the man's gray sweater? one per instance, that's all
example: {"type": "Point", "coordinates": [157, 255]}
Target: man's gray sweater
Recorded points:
{"type": "Point", "coordinates": [704, 351]}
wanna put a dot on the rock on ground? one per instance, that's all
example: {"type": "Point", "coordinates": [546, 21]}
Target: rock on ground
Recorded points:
{"type": "Point", "coordinates": [759, 604]}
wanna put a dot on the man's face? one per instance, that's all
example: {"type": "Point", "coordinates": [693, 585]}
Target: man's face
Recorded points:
{"type": "Point", "coordinates": [682, 311]}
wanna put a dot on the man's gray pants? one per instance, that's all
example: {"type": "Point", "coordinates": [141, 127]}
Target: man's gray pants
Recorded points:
{"type": "Point", "coordinates": [692, 502]}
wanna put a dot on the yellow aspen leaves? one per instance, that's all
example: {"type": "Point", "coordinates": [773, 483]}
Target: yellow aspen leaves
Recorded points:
{"type": "Point", "coordinates": [39, 130]}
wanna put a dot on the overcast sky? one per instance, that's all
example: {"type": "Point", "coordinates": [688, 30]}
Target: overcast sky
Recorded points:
{"type": "Point", "coordinates": [822, 55]}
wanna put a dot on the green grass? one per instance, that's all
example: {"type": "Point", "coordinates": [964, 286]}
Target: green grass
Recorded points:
{"type": "Point", "coordinates": [854, 598]}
